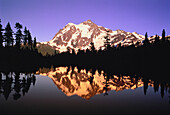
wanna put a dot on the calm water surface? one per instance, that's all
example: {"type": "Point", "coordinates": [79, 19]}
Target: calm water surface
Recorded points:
{"type": "Point", "coordinates": [69, 91]}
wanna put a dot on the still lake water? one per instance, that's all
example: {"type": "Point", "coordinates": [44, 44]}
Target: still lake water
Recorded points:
{"type": "Point", "coordinates": [70, 91]}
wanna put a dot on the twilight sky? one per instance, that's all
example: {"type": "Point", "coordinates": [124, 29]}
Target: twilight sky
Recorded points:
{"type": "Point", "coordinates": [44, 18]}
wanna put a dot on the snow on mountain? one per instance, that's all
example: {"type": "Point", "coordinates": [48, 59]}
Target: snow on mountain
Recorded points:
{"type": "Point", "coordinates": [80, 36]}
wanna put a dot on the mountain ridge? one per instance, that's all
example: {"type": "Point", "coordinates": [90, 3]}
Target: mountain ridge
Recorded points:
{"type": "Point", "coordinates": [79, 36]}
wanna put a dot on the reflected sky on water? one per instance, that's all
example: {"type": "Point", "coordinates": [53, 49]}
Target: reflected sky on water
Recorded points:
{"type": "Point", "coordinates": [76, 93]}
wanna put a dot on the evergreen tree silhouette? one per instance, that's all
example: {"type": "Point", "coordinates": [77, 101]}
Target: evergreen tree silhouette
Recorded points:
{"type": "Point", "coordinates": [35, 42]}
{"type": "Point", "coordinates": [8, 35]}
{"type": "Point", "coordinates": [25, 39]}
{"type": "Point", "coordinates": [163, 35]}
{"type": "Point", "coordinates": [68, 50]}
{"type": "Point", "coordinates": [73, 52]}
{"type": "Point", "coordinates": [92, 47]}
{"type": "Point", "coordinates": [87, 52]}
{"type": "Point", "coordinates": [156, 39]}
{"type": "Point", "coordinates": [146, 41]}
{"type": "Point", "coordinates": [107, 42]}
{"type": "Point", "coordinates": [1, 36]}
{"type": "Point", "coordinates": [18, 34]}
{"type": "Point", "coordinates": [29, 40]}
{"type": "Point", "coordinates": [100, 50]}
{"type": "Point", "coordinates": [118, 46]}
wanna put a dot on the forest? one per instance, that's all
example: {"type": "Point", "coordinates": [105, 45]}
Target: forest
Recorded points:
{"type": "Point", "coordinates": [18, 52]}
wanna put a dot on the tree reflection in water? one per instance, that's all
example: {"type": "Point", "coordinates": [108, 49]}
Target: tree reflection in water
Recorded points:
{"type": "Point", "coordinates": [15, 82]}
{"type": "Point", "coordinates": [85, 83]}
{"type": "Point", "coordinates": [89, 82]}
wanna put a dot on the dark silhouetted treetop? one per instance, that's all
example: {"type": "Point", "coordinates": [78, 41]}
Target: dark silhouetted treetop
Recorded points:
{"type": "Point", "coordinates": [18, 26]}
{"type": "Point", "coordinates": [73, 52]}
{"type": "Point", "coordinates": [68, 49]}
{"type": "Point", "coordinates": [118, 45]}
{"type": "Point", "coordinates": [8, 35]}
{"type": "Point", "coordinates": [1, 36]}
{"type": "Point", "coordinates": [107, 42]}
{"type": "Point", "coordinates": [35, 42]}
{"type": "Point", "coordinates": [92, 47]}
{"type": "Point", "coordinates": [18, 34]}
{"type": "Point", "coordinates": [163, 35]}
{"type": "Point", "coordinates": [29, 39]}
{"type": "Point", "coordinates": [146, 41]}
{"type": "Point", "coordinates": [25, 39]}
{"type": "Point", "coordinates": [157, 39]}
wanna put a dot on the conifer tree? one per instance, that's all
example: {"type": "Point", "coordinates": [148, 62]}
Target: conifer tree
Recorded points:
{"type": "Point", "coordinates": [25, 39]}
{"type": "Point", "coordinates": [163, 35]}
{"type": "Point", "coordinates": [68, 50]}
{"type": "Point", "coordinates": [8, 35]}
{"type": "Point", "coordinates": [35, 42]}
{"type": "Point", "coordinates": [1, 36]}
{"type": "Point", "coordinates": [92, 47]}
{"type": "Point", "coordinates": [156, 39]}
{"type": "Point", "coordinates": [18, 34]}
{"type": "Point", "coordinates": [119, 45]}
{"type": "Point", "coordinates": [100, 50]}
{"type": "Point", "coordinates": [107, 42]}
{"type": "Point", "coordinates": [29, 39]}
{"type": "Point", "coordinates": [146, 41]}
{"type": "Point", "coordinates": [73, 52]}
{"type": "Point", "coordinates": [87, 51]}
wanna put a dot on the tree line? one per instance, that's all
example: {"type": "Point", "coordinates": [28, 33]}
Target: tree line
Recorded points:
{"type": "Point", "coordinates": [150, 57]}
{"type": "Point", "coordinates": [22, 38]}
{"type": "Point", "coordinates": [18, 50]}
{"type": "Point", "coordinates": [136, 58]}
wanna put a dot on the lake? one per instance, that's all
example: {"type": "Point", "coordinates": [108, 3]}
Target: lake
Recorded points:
{"type": "Point", "coordinates": [70, 90]}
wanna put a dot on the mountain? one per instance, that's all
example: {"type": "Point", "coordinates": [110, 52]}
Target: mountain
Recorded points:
{"type": "Point", "coordinates": [80, 36]}
{"type": "Point", "coordinates": [45, 49]}
{"type": "Point", "coordinates": [83, 83]}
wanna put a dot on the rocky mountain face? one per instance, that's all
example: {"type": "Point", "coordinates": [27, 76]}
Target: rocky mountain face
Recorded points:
{"type": "Point", "coordinates": [80, 36]}
{"type": "Point", "coordinates": [83, 83]}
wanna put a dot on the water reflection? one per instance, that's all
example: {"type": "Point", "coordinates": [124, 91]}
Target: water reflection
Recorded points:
{"type": "Point", "coordinates": [87, 83]}
{"type": "Point", "coordinates": [15, 83]}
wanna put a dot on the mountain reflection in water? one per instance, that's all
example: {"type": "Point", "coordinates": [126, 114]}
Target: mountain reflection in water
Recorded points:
{"type": "Point", "coordinates": [86, 84]}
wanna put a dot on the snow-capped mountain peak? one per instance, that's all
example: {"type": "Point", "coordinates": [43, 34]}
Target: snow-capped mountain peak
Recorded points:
{"type": "Point", "coordinates": [88, 22]}
{"type": "Point", "coordinates": [79, 36]}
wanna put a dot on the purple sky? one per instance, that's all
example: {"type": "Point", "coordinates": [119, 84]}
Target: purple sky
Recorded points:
{"type": "Point", "coordinates": [44, 18]}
